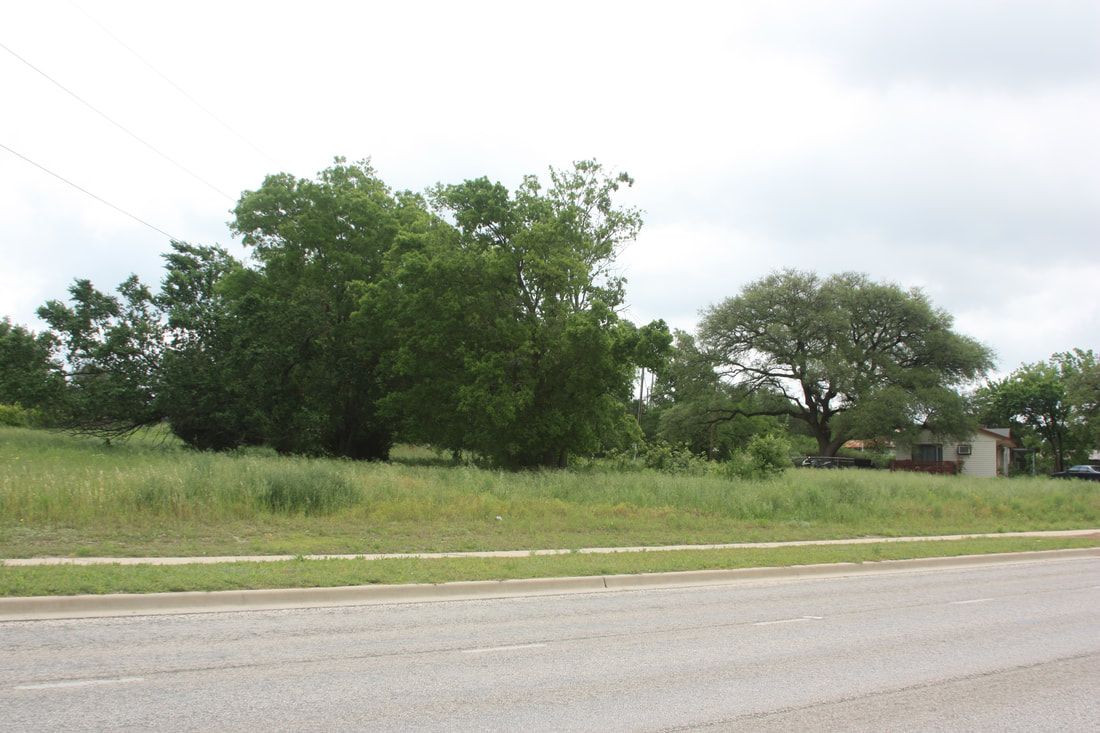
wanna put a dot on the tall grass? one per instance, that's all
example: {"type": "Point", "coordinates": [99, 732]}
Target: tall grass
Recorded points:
{"type": "Point", "coordinates": [52, 484]}
{"type": "Point", "coordinates": [46, 477]}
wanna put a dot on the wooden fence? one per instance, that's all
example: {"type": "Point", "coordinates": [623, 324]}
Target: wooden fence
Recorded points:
{"type": "Point", "coordinates": [945, 467]}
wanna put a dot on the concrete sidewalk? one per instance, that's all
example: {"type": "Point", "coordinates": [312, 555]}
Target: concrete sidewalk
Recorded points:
{"type": "Point", "coordinates": [146, 604]}
{"type": "Point", "coordinates": [19, 562]}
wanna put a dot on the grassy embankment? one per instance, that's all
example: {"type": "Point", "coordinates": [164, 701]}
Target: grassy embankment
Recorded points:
{"type": "Point", "coordinates": [61, 495]}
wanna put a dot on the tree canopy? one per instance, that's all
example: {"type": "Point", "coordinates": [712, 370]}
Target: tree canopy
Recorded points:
{"type": "Point", "coordinates": [850, 357]}
{"type": "Point", "coordinates": [309, 376]}
{"type": "Point", "coordinates": [477, 318]}
{"type": "Point", "coordinates": [110, 349]}
{"type": "Point", "coordinates": [472, 318]}
{"type": "Point", "coordinates": [28, 374]}
{"type": "Point", "coordinates": [507, 340]}
{"type": "Point", "coordinates": [1055, 401]}
{"type": "Point", "coordinates": [689, 394]}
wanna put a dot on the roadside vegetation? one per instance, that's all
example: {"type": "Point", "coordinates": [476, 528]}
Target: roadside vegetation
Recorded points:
{"type": "Point", "coordinates": [267, 405]}
{"type": "Point", "coordinates": [70, 496]}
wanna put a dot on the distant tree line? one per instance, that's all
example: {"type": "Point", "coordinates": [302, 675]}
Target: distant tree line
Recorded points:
{"type": "Point", "coordinates": [474, 318]}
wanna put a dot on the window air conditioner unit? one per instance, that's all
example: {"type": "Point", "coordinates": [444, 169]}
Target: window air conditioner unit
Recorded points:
{"type": "Point", "coordinates": [963, 449]}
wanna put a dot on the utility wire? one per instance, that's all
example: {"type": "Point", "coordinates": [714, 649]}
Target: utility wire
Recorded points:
{"type": "Point", "coordinates": [174, 85]}
{"type": "Point", "coordinates": [86, 191]}
{"type": "Point", "coordinates": [87, 104]}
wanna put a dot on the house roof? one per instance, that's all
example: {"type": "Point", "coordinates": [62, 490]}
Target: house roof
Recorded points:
{"type": "Point", "coordinates": [1003, 435]}
{"type": "Point", "coordinates": [862, 443]}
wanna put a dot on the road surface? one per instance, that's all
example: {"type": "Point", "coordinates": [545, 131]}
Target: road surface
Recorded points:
{"type": "Point", "coordinates": [1003, 647]}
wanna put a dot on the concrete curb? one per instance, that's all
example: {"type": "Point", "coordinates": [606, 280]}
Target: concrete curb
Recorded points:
{"type": "Point", "coordinates": [93, 606]}
{"type": "Point", "coordinates": [213, 559]}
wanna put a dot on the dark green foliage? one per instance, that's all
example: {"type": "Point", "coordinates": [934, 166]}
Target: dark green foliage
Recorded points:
{"type": "Point", "coordinates": [202, 394]}
{"type": "Point", "coordinates": [675, 459]}
{"type": "Point", "coordinates": [850, 357]}
{"type": "Point", "coordinates": [111, 348]}
{"type": "Point", "coordinates": [691, 405]}
{"type": "Point", "coordinates": [1051, 405]}
{"type": "Point", "coordinates": [765, 456]}
{"type": "Point", "coordinates": [506, 340]}
{"type": "Point", "coordinates": [363, 314]}
{"type": "Point", "coordinates": [1081, 371]}
{"type": "Point", "coordinates": [308, 373]}
{"type": "Point", "coordinates": [29, 376]}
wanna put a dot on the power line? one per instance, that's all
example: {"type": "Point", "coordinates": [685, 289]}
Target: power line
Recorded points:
{"type": "Point", "coordinates": [86, 191]}
{"type": "Point", "coordinates": [174, 85]}
{"type": "Point", "coordinates": [87, 104]}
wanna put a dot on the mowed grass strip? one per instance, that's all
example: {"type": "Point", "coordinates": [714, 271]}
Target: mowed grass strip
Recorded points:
{"type": "Point", "coordinates": [67, 496]}
{"type": "Point", "coordinates": [99, 579]}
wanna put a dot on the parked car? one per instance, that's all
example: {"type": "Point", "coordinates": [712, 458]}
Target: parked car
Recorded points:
{"type": "Point", "coordinates": [1083, 471]}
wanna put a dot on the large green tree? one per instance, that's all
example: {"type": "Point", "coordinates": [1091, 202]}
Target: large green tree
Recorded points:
{"type": "Point", "coordinates": [202, 392]}
{"type": "Point", "coordinates": [134, 358]}
{"type": "Point", "coordinates": [850, 357]}
{"type": "Point", "coordinates": [502, 310]}
{"type": "Point", "coordinates": [1051, 401]}
{"type": "Point", "coordinates": [310, 376]}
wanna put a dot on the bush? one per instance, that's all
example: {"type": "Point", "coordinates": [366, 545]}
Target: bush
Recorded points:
{"type": "Point", "coordinates": [17, 416]}
{"type": "Point", "coordinates": [306, 487]}
{"type": "Point", "coordinates": [763, 457]}
{"type": "Point", "coordinates": [660, 456]}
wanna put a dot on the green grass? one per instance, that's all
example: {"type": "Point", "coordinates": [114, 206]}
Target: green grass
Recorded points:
{"type": "Point", "coordinates": [61, 495]}
{"type": "Point", "coordinates": [72, 580]}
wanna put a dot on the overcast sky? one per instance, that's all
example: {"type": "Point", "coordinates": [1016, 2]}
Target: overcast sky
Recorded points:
{"type": "Point", "coordinates": [946, 145]}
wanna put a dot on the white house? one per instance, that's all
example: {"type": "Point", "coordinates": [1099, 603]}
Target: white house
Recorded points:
{"type": "Point", "coordinates": [986, 453]}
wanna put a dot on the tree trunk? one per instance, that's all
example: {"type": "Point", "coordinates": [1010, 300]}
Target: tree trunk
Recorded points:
{"type": "Point", "coordinates": [834, 446]}
{"type": "Point", "coordinates": [827, 445]}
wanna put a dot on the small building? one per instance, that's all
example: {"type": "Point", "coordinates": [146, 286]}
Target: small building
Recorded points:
{"type": "Point", "coordinates": [989, 453]}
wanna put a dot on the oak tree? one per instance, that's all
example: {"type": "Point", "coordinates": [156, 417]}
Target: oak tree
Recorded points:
{"type": "Point", "coordinates": [850, 357]}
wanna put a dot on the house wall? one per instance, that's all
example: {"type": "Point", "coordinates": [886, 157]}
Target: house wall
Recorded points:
{"type": "Point", "coordinates": [982, 460]}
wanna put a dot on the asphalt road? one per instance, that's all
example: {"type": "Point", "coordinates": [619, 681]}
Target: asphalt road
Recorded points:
{"type": "Point", "coordinates": [1006, 647]}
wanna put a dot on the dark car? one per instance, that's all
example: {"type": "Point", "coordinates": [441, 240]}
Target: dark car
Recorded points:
{"type": "Point", "coordinates": [1084, 471]}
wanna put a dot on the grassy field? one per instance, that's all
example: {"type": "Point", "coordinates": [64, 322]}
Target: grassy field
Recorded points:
{"type": "Point", "coordinates": [72, 580]}
{"type": "Point", "coordinates": [61, 495]}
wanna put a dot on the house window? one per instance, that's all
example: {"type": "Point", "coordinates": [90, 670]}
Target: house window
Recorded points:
{"type": "Point", "coordinates": [928, 452]}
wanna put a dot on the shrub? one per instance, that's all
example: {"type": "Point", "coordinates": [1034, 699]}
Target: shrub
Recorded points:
{"type": "Point", "coordinates": [17, 416]}
{"type": "Point", "coordinates": [763, 457]}
{"type": "Point", "coordinates": [660, 456]}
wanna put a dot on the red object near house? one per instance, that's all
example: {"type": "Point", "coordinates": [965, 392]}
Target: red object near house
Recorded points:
{"type": "Point", "coordinates": [942, 467]}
